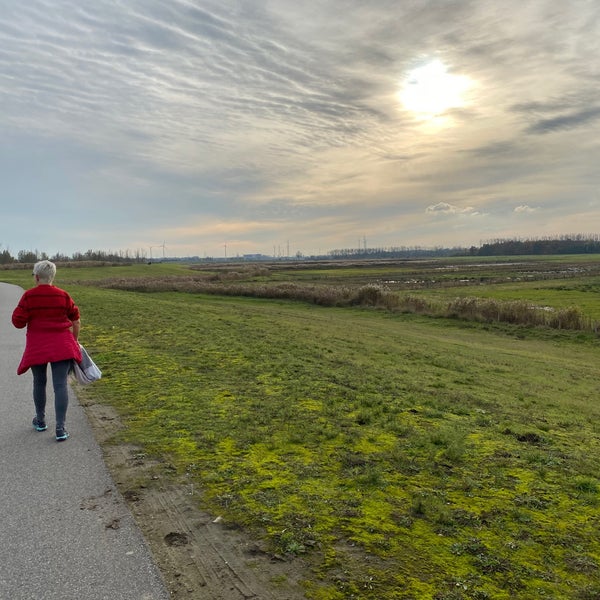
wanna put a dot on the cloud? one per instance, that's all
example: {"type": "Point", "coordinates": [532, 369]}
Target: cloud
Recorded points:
{"type": "Point", "coordinates": [443, 208]}
{"type": "Point", "coordinates": [285, 115]}
{"type": "Point", "coordinates": [568, 111]}
{"type": "Point", "coordinates": [565, 121]}
{"type": "Point", "coordinates": [523, 208]}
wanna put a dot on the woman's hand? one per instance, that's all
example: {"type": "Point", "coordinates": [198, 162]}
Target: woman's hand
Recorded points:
{"type": "Point", "coordinates": [75, 327]}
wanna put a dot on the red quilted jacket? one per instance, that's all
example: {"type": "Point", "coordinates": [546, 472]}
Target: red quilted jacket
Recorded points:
{"type": "Point", "coordinates": [47, 312]}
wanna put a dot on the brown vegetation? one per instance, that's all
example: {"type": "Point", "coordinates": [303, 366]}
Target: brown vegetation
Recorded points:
{"type": "Point", "coordinates": [482, 310]}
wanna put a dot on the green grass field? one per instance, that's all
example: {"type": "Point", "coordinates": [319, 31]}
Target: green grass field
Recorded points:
{"type": "Point", "coordinates": [400, 456]}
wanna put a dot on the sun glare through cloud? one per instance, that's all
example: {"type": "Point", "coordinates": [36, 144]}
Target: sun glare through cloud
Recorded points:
{"type": "Point", "coordinates": [429, 90]}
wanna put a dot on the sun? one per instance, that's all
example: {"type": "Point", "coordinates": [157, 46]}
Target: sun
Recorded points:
{"type": "Point", "coordinates": [429, 90]}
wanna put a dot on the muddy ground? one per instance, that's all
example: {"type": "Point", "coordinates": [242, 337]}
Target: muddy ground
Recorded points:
{"type": "Point", "coordinates": [200, 555]}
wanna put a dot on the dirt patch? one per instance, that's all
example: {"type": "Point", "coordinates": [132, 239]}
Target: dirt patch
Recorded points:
{"type": "Point", "coordinates": [199, 554]}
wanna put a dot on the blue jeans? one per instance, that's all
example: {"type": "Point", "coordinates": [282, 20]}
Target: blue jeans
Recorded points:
{"type": "Point", "coordinates": [60, 370]}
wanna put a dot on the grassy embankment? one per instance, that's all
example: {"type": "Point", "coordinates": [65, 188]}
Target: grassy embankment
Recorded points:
{"type": "Point", "coordinates": [401, 456]}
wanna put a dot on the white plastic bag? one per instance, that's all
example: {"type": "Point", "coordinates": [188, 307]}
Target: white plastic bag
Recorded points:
{"type": "Point", "coordinates": [85, 371]}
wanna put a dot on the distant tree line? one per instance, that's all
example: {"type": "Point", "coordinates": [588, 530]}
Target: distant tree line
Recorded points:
{"type": "Point", "coordinates": [33, 256]}
{"type": "Point", "coordinates": [564, 244]}
{"type": "Point", "coordinates": [396, 252]}
{"type": "Point", "coordinates": [568, 244]}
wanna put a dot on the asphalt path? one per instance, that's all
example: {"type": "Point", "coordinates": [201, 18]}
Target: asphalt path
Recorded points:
{"type": "Point", "coordinates": [65, 531]}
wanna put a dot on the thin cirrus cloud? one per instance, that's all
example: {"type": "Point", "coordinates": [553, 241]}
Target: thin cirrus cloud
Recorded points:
{"type": "Point", "coordinates": [567, 121]}
{"type": "Point", "coordinates": [257, 124]}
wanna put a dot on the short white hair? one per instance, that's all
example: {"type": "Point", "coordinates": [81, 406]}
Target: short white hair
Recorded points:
{"type": "Point", "coordinates": [45, 270]}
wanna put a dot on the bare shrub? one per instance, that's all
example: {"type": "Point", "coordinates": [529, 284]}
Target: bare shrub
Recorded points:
{"type": "Point", "coordinates": [315, 294]}
{"type": "Point", "coordinates": [414, 304]}
{"type": "Point", "coordinates": [489, 310]}
{"type": "Point", "coordinates": [321, 295]}
{"type": "Point", "coordinates": [519, 312]}
{"type": "Point", "coordinates": [569, 318]}
{"type": "Point", "coordinates": [391, 301]}
{"type": "Point", "coordinates": [463, 308]}
{"type": "Point", "coordinates": [370, 295]}
{"type": "Point", "coordinates": [486, 310]}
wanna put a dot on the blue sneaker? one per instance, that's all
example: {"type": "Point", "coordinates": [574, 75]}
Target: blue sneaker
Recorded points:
{"type": "Point", "coordinates": [61, 434]}
{"type": "Point", "coordinates": [39, 424]}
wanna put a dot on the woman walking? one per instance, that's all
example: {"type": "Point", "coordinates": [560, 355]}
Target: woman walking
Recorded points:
{"type": "Point", "coordinates": [53, 323]}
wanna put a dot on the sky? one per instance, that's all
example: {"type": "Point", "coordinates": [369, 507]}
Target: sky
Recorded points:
{"type": "Point", "coordinates": [285, 127]}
